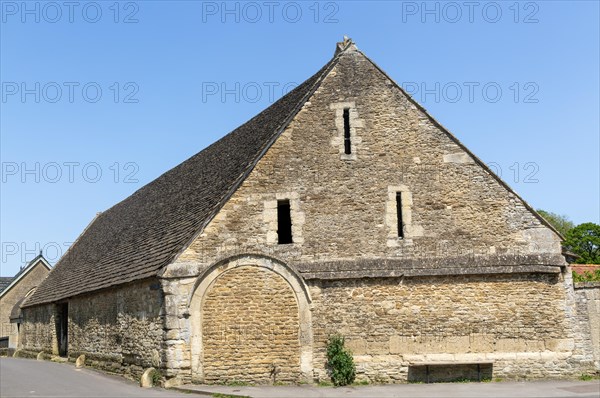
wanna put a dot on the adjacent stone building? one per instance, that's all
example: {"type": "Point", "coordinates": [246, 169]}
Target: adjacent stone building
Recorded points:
{"type": "Point", "coordinates": [13, 291]}
{"type": "Point", "coordinates": [342, 208]}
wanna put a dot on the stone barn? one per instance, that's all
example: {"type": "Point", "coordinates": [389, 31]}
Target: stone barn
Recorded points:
{"type": "Point", "coordinates": [342, 208]}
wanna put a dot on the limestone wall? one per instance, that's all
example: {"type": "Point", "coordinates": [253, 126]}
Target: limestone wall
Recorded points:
{"type": "Point", "coordinates": [119, 329]}
{"type": "Point", "coordinates": [517, 322]}
{"type": "Point", "coordinates": [38, 329]}
{"type": "Point", "coordinates": [250, 328]}
{"type": "Point", "coordinates": [588, 317]}
{"type": "Point", "coordinates": [246, 319]}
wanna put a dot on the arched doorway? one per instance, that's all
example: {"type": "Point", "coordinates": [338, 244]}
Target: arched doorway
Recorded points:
{"type": "Point", "coordinates": [251, 323]}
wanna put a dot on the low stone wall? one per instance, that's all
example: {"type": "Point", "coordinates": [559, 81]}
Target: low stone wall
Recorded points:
{"type": "Point", "coordinates": [588, 316]}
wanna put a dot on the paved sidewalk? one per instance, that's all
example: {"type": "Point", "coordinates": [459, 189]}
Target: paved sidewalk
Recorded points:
{"type": "Point", "coordinates": [30, 378]}
{"type": "Point", "coordinates": [582, 389]}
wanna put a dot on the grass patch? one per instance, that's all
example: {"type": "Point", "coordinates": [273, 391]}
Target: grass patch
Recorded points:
{"type": "Point", "coordinates": [589, 377]}
{"type": "Point", "coordinates": [155, 376]}
{"type": "Point", "coordinates": [361, 383]}
{"type": "Point", "coordinates": [237, 383]}
{"type": "Point", "coordinates": [219, 395]}
{"type": "Point", "coordinates": [325, 384]}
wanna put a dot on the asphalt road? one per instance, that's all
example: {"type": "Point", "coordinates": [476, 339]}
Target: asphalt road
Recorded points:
{"type": "Point", "coordinates": [30, 378]}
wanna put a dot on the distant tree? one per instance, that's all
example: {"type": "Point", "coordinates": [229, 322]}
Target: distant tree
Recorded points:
{"type": "Point", "coordinates": [561, 223]}
{"type": "Point", "coordinates": [584, 240]}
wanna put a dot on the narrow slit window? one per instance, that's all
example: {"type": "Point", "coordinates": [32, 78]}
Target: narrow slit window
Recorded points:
{"type": "Point", "coordinates": [399, 213]}
{"type": "Point", "coordinates": [347, 142]}
{"type": "Point", "coordinates": [284, 222]}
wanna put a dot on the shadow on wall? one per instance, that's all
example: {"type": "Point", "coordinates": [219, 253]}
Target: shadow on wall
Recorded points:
{"type": "Point", "coordinates": [449, 373]}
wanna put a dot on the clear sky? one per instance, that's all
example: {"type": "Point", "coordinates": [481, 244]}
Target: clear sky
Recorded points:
{"type": "Point", "coordinates": [99, 98]}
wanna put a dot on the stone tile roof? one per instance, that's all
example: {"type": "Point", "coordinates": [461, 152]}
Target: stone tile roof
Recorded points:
{"type": "Point", "coordinates": [137, 237]}
{"type": "Point", "coordinates": [5, 281]}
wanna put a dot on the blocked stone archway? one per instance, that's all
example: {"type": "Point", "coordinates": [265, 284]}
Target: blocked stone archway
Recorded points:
{"type": "Point", "coordinates": [250, 319]}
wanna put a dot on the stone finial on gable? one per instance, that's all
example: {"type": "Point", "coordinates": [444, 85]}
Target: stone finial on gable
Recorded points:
{"type": "Point", "coordinates": [346, 45]}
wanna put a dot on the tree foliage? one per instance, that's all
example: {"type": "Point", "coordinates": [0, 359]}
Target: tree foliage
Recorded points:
{"type": "Point", "coordinates": [584, 240]}
{"type": "Point", "coordinates": [340, 362]}
{"type": "Point", "coordinates": [561, 223]}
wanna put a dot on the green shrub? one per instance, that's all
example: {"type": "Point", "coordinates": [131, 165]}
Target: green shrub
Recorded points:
{"type": "Point", "coordinates": [237, 383]}
{"type": "Point", "coordinates": [340, 362]}
{"type": "Point", "coordinates": [155, 376]}
{"type": "Point", "coordinates": [585, 377]}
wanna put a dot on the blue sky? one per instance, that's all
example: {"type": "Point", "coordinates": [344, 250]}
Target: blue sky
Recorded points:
{"type": "Point", "coordinates": [99, 98]}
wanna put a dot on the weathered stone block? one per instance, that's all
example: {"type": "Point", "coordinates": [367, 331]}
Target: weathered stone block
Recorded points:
{"type": "Point", "coordinates": [357, 346]}
{"type": "Point", "coordinates": [511, 345]}
{"type": "Point", "coordinates": [481, 342]}
{"type": "Point", "coordinates": [559, 344]}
